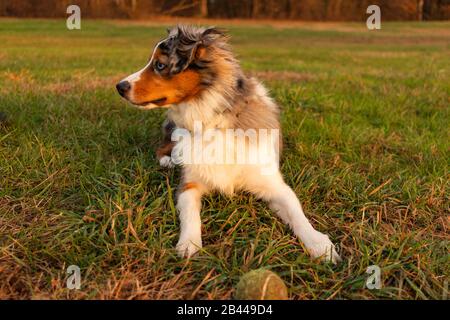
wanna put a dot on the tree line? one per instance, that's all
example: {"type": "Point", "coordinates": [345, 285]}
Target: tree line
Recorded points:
{"type": "Point", "coordinates": [313, 10]}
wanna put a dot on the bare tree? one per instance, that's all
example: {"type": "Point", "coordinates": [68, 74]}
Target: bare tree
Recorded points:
{"type": "Point", "coordinates": [204, 8]}
{"type": "Point", "coordinates": [420, 10]}
{"type": "Point", "coordinates": [328, 10]}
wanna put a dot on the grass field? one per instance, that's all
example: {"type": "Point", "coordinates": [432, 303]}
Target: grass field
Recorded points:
{"type": "Point", "coordinates": [365, 124]}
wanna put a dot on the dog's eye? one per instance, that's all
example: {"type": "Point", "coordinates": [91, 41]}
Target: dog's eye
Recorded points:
{"type": "Point", "coordinates": [159, 66]}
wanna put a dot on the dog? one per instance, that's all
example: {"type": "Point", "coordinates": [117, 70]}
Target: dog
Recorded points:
{"type": "Point", "coordinates": [194, 74]}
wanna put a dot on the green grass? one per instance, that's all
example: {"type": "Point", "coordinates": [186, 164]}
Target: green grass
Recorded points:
{"type": "Point", "coordinates": [365, 124]}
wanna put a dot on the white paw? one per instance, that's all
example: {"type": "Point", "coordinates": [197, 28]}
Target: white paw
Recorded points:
{"type": "Point", "coordinates": [320, 246]}
{"type": "Point", "coordinates": [166, 161]}
{"type": "Point", "coordinates": [187, 247]}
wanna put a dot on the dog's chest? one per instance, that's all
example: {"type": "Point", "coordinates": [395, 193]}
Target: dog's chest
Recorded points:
{"type": "Point", "coordinates": [218, 160]}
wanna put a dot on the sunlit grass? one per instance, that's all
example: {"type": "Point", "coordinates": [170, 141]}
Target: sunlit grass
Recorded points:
{"type": "Point", "coordinates": [365, 125]}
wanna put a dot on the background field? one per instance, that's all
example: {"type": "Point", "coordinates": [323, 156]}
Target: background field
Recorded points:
{"type": "Point", "coordinates": [365, 124]}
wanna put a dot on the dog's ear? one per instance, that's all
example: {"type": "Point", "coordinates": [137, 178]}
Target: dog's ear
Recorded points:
{"type": "Point", "coordinates": [212, 34]}
{"type": "Point", "coordinates": [207, 38]}
{"type": "Point", "coordinates": [184, 41]}
{"type": "Point", "coordinates": [200, 52]}
{"type": "Point", "coordinates": [192, 44]}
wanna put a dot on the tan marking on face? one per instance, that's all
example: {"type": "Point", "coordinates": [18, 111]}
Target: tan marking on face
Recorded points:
{"type": "Point", "coordinates": [152, 86]}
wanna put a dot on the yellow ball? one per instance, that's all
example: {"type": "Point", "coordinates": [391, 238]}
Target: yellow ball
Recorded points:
{"type": "Point", "coordinates": [261, 284]}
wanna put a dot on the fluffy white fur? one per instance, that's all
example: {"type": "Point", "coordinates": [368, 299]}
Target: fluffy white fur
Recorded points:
{"type": "Point", "coordinates": [231, 178]}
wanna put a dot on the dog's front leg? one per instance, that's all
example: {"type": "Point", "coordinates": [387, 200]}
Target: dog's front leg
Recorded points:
{"type": "Point", "coordinates": [163, 153]}
{"type": "Point", "coordinates": [189, 206]}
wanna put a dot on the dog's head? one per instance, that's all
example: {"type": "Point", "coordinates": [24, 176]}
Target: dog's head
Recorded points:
{"type": "Point", "coordinates": [180, 67]}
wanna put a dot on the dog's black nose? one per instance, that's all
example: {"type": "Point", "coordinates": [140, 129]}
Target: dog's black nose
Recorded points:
{"type": "Point", "coordinates": [123, 87]}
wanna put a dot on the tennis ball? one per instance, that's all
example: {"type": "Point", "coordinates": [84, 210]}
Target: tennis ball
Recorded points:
{"type": "Point", "coordinates": [261, 284]}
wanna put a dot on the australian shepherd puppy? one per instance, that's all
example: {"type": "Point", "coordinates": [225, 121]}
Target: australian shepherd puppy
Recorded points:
{"type": "Point", "coordinates": [194, 74]}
